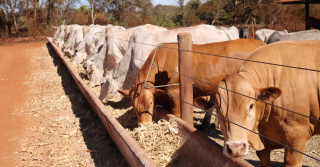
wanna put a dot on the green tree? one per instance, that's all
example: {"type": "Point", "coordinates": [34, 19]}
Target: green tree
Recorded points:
{"type": "Point", "coordinates": [164, 15]}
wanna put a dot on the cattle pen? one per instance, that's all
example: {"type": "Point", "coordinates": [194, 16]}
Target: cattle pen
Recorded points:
{"type": "Point", "coordinates": [195, 147]}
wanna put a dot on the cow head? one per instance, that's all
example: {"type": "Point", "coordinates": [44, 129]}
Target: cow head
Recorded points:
{"type": "Point", "coordinates": [243, 111]}
{"type": "Point", "coordinates": [79, 57]}
{"type": "Point", "coordinates": [142, 100]}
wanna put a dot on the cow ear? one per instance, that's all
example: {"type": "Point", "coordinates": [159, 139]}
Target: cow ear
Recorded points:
{"type": "Point", "coordinates": [203, 102]}
{"type": "Point", "coordinates": [269, 94]}
{"type": "Point", "coordinates": [124, 92]}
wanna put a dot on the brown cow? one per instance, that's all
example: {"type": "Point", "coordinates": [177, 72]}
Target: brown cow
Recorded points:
{"type": "Point", "coordinates": [208, 68]}
{"type": "Point", "coordinates": [294, 89]}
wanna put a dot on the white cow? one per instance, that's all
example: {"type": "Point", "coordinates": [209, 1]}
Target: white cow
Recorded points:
{"type": "Point", "coordinates": [142, 42]}
{"type": "Point", "coordinates": [116, 43]}
{"type": "Point", "coordinates": [62, 34]}
{"type": "Point", "coordinates": [88, 44]}
{"type": "Point", "coordinates": [74, 39]}
{"type": "Point", "coordinates": [57, 33]}
{"type": "Point", "coordinates": [59, 36]}
{"type": "Point", "coordinates": [264, 34]}
{"type": "Point", "coordinates": [295, 36]}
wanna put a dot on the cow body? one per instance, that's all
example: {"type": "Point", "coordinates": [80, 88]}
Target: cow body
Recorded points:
{"type": "Point", "coordinates": [57, 33]}
{"type": "Point", "coordinates": [293, 89]}
{"type": "Point", "coordinates": [144, 42]}
{"type": "Point", "coordinates": [89, 43]}
{"type": "Point", "coordinates": [301, 36]}
{"type": "Point", "coordinates": [117, 41]}
{"type": "Point", "coordinates": [59, 37]}
{"type": "Point", "coordinates": [97, 52]}
{"type": "Point", "coordinates": [208, 68]}
{"type": "Point", "coordinates": [114, 78]}
{"type": "Point", "coordinates": [74, 39]}
{"type": "Point", "coordinates": [264, 34]}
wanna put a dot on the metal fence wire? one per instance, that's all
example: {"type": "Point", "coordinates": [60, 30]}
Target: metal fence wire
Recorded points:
{"type": "Point", "coordinates": [197, 79]}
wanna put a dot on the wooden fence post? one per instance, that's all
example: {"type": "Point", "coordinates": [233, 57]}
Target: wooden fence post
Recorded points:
{"type": "Point", "coordinates": [185, 69]}
{"type": "Point", "coordinates": [252, 27]}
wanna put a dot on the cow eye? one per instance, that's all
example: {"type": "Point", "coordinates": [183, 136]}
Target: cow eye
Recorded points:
{"type": "Point", "coordinates": [251, 107]}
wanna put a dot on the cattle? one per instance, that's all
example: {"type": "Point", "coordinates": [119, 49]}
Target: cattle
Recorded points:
{"type": "Point", "coordinates": [62, 34]}
{"type": "Point", "coordinates": [264, 34]}
{"type": "Point", "coordinates": [94, 65]}
{"type": "Point", "coordinates": [210, 68]}
{"type": "Point", "coordinates": [59, 36]}
{"type": "Point", "coordinates": [143, 34]}
{"type": "Point", "coordinates": [293, 89]}
{"type": "Point", "coordinates": [117, 41]}
{"type": "Point", "coordinates": [88, 44]}
{"type": "Point", "coordinates": [142, 43]}
{"type": "Point", "coordinates": [57, 33]}
{"type": "Point", "coordinates": [68, 30]}
{"type": "Point", "coordinates": [301, 35]}
{"type": "Point", "coordinates": [244, 32]}
{"type": "Point", "coordinates": [98, 52]}
{"type": "Point", "coordinates": [74, 39]}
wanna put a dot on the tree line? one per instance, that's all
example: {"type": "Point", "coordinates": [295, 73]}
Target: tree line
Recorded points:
{"type": "Point", "coordinates": [38, 17]}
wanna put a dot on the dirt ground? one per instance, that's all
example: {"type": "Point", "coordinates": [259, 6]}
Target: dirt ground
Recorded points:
{"type": "Point", "coordinates": [5, 41]}
{"type": "Point", "coordinates": [44, 119]}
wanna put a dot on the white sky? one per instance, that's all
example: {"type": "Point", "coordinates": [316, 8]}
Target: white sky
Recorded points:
{"type": "Point", "coordinates": [165, 2]}
{"type": "Point", "coordinates": [154, 2]}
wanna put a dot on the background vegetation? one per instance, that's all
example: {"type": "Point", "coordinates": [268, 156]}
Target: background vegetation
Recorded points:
{"type": "Point", "coordinates": [38, 17]}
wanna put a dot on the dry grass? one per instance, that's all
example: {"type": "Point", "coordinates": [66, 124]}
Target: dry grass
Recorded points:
{"type": "Point", "coordinates": [64, 131]}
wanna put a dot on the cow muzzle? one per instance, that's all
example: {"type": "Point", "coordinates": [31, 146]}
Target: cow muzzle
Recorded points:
{"type": "Point", "coordinates": [235, 149]}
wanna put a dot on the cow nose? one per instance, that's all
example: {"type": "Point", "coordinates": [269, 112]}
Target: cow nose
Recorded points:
{"type": "Point", "coordinates": [236, 149]}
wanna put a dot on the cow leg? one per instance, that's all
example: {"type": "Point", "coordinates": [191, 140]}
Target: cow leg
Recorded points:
{"type": "Point", "coordinates": [216, 123]}
{"type": "Point", "coordinates": [264, 156]}
{"type": "Point", "coordinates": [206, 119]}
{"type": "Point", "coordinates": [175, 95]}
{"type": "Point", "coordinates": [293, 158]}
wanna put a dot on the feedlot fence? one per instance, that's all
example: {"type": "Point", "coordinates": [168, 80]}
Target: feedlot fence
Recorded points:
{"type": "Point", "coordinates": [228, 90]}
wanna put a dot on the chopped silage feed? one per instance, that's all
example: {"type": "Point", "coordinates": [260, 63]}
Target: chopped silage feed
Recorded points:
{"type": "Point", "coordinates": [159, 140]}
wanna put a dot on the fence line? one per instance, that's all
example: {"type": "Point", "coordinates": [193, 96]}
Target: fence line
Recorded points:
{"type": "Point", "coordinates": [229, 90]}
{"type": "Point", "coordinates": [307, 69]}
{"type": "Point", "coordinates": [235, 58]}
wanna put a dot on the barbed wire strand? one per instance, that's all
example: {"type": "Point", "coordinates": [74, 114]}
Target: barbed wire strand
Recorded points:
{"type": "Point", "coordinates": [228, 90]}
{"type": "Point", "coordinates": [216, 115]}
{"type": "Point", "coordinates": [235, 58]}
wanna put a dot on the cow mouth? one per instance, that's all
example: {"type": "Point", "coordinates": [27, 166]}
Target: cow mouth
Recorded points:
{"type": "Point", "coordinates": [235, 149]}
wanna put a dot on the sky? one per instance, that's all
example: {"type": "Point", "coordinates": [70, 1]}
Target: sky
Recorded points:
{"type": "Point", "coordinates": [154, 2]}
{"type": "Point", "coordinates": [165, 2]}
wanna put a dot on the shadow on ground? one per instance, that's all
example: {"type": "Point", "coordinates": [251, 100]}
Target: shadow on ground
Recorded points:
{"type": "Point", "coordinates": [100, 145]}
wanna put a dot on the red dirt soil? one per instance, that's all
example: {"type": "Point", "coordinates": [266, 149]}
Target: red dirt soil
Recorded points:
{"type": "Point", "coordinates": [14, 67]}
